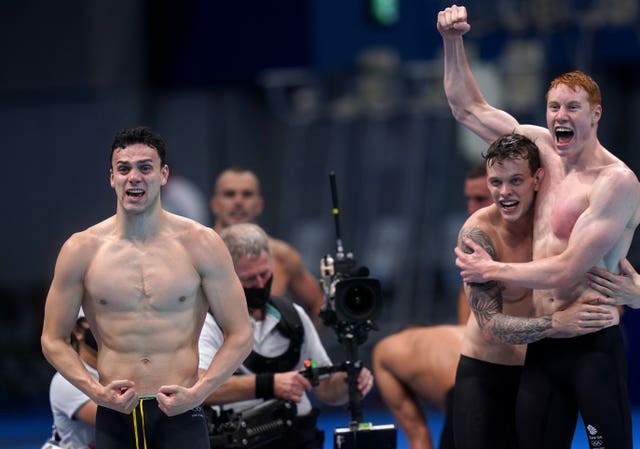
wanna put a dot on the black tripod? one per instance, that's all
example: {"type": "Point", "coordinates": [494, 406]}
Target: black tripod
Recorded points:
{"type": "Point", "coordinates": [352, 335]}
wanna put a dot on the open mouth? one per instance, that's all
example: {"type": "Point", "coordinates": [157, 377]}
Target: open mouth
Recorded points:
{"type": "Point", "coordinates": [563, 135]}
{"type": "Point", "coordinates": [136, 193]}
{"type": "Point", "coordinates": [509, 205]}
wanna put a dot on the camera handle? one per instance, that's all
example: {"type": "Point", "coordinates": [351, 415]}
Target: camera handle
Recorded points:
{"type": "Point", "coordinates": [353, 366]}
{"type": "Point", "coordinates": [313, 373]}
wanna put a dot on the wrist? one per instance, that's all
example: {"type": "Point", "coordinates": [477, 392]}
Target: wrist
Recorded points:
{"type": "Point", "coordinates": [552, 324]}
{"type": "Point", "coordinates": [264, 385]}
{"type": "Point", "coordinates": [202, 389]}
{"type": "Point", "coordinates": [495, 270]}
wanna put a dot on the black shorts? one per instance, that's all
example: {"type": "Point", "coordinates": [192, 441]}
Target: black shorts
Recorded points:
{"type": "Point", "coordinates": [147, 427]}
{"type": "Point", "coordinates": [484, 404]}
{"type": "Point", "coordinates": [564, 376]}
{"type": "Point", "coordinates": [446, 436]}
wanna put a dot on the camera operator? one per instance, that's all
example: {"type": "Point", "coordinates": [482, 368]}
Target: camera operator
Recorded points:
{"type": "Point", "coordinates": [284, 337]}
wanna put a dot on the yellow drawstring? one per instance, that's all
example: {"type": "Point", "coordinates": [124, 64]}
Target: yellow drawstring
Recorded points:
{"type": "Point", "coordinates": [135, 425]}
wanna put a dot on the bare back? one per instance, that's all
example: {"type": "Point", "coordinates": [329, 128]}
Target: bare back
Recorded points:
{"type": "Point", "coordinates": [145, 304]}
{"type": "Point", "coordinates": [424, 359]}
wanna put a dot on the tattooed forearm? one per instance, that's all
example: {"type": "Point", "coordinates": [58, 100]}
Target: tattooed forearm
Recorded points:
{"type": "Point", "coordinates": [486, 303]}
{"type": "Point", "coordinates": [517, 330]}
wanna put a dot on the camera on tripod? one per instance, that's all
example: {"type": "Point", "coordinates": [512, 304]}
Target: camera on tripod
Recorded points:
{"type": "Point", "coordinates": [351, 297]}
{"type": "Point", "coordinates": [353, 300]}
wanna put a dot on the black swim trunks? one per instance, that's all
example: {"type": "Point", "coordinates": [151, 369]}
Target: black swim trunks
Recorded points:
{"type": "Point", "coordinates": [484, 404]}
{"type": "Point", "coordinates": [446, 436]}
{"type": "Point", "coordinates": [147, 427]}
{"type": "Point", "coordinates": [564, 376]}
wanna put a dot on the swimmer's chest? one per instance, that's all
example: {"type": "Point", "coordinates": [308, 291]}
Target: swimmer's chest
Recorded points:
{"type": "Point", "coordinates": [517, 251]}
{"type": "Point", "coordinates": [159, 276]}
{"type": "Point", "coordinates": [563, 205]}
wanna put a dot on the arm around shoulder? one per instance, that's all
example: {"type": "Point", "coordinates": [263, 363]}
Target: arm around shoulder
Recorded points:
{"type": "Point", "coordinates": [601, 231]}
{"type": "Point", "coordinates": [606, 224]}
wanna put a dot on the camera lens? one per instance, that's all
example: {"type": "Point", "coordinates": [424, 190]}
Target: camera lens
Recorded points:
{"type": "Point", "coordinates": [358, 299]}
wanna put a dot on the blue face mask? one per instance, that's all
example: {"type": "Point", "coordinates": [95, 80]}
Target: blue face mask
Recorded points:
{"type": "Point", "coordinates": [257, 297]}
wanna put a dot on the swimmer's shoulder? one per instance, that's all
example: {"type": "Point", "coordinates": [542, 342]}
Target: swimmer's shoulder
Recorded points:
{"type": "Point", "coordinates": [482, 219]}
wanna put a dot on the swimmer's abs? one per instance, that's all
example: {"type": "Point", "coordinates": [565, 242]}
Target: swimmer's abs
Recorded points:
{"type": "Point", "coordinates": [149, 372]}
{"type": "Point", "coordinates": [546, 306]}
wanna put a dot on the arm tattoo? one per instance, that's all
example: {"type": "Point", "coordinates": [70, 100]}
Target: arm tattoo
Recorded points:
{"type": "Point", "coordinates": [519, 330]}
{"type": "Point", "coordinates": [480, 237]}
{"type": "Point", "coordinates": [485, 301]}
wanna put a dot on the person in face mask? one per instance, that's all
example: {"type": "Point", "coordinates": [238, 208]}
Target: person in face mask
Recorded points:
{"type": "Point", "coordinates": [237, 198]}
{"type": "Point", "coordinates": [74, 414]}
{"type": "Point", "coordinates": [284, 337]}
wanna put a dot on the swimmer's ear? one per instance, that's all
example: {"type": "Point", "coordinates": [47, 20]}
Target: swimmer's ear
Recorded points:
{"type": "Point", "coordinates": [164, 170]}
{"type": "Point", "coordinates": [537, 178]}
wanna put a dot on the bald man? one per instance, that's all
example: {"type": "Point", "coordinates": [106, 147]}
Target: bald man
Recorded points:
{"type": "Point", "coordinates": [237, 199]}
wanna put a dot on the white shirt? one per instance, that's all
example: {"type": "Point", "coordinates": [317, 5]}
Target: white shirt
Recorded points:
{"type": "Point", "coordinates": [268, 342]}
{"type": "Point", "coordinates": [66, 400]}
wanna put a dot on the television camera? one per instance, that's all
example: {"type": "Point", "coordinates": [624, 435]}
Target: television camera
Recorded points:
{"type": "Point", "coordinates": [353, 301]}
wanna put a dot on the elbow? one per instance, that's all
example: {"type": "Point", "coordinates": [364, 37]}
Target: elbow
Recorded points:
{"type": "Point", "coordinates": [563, 279]}
{"type": "Point", "coordinates": [47, 347]}
{"type": "Point", "coordinates": [490, 337]}
{"type": "Point", "coordinates": [240, 340]}
{"type": "Point", "coordinates": [459, 113]}
{"type": "Point", "coordinates": [496, 330]}
{"type": "Point", "coordinates": [247, 342]}
{"type": "Point", "coordinates": [564, 271]}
